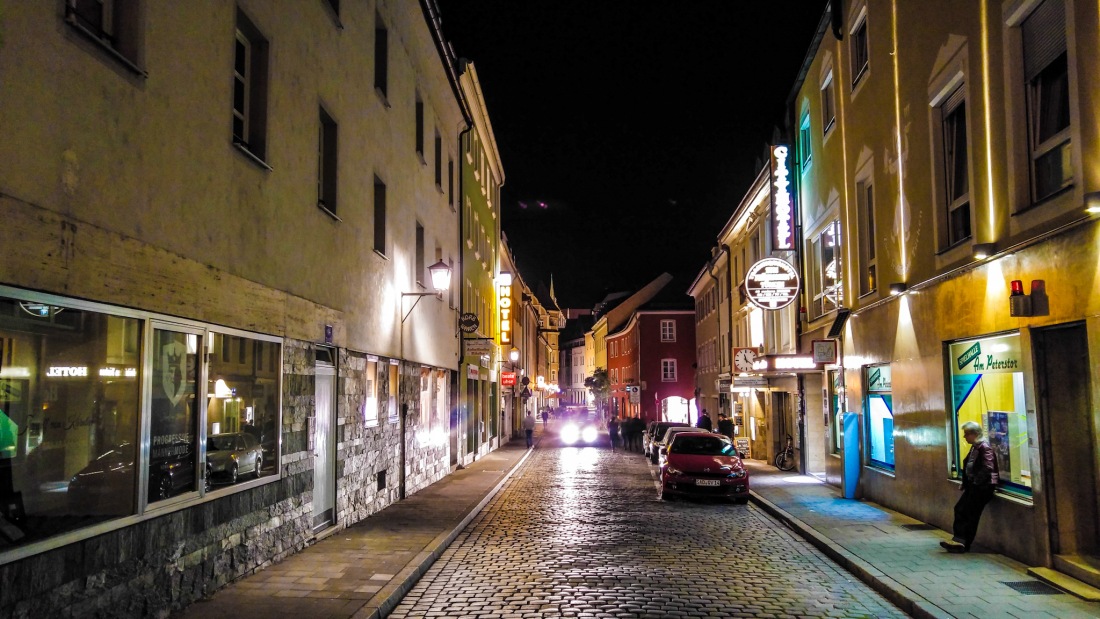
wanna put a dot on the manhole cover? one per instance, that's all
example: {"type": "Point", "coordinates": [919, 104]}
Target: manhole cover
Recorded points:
{"type": "Point", "coordinates": [917, 527]}
{"type": "Point", "coordinates": [1032, 587]}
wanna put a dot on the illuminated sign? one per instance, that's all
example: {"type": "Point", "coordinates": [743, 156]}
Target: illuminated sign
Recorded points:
{"type": "Point", "coordinates": [66, 371]}
{"type": "Point", "coordinates": [508, 379]}
{"type": "Point", "coordinates": [504, 295]}
{"type": "Point", "coordinates": [117, 372]}
{"type": "Point", "coordinates": [772, 284]}
{"type": "Point", "coordinates": [782, 204]}
{"type": "Point", "coordinates": [785, 363]}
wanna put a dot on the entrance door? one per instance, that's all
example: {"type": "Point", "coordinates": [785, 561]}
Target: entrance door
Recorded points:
{"type": "Point", "coordinates": [324, 449]}
{"type": "Point", "coordinates": [1062, 376]}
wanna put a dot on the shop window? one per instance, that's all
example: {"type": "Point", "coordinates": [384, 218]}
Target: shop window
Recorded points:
{"type": "Point", "coordinates": [1046, 71]}
{"type": "Point", "coordinates": [370, 392]}
{"type": "Point", "coordinates": [834, 411]}
{"type": "Point", "coordinates": [174, 409]}
{"type": "Point", "coordinates": [879, 416]}
{"type": "Point", "coordinates": [242, 413]}
{"type": "Point", "coordinates": [250, 57]}
{"type": "Point", "coordinates": [987, 387]}
{"type": "Point", "coordinates": [393, 382]}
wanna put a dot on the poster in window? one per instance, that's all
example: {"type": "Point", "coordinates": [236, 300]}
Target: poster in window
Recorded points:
{"type": "Point", "coordinates": [1000, 440]}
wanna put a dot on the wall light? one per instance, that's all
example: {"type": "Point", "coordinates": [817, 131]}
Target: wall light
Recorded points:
{"type": "Point", "coordinates": [1092, 202]}
{"type": "Point", "coordinates": [514, 355]}
{"type": "Point", "coordinates": [984, 250]}
{"type": "Point", "coordinates": [897, 288]}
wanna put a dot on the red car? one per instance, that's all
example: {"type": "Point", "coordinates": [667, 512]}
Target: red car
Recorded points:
{"type": "Point", "coordinates": [704, 464]}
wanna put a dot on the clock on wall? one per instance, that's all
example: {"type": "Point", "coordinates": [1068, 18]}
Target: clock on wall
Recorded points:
{"type": "Point", "coordinates": [743, 358]}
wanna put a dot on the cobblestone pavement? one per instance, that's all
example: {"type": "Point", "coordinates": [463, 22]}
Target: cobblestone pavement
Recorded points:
{"type": "Point", "coordinates": [580, 532]}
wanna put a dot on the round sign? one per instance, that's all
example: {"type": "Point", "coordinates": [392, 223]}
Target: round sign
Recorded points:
{"type": "Point", "coordinates": [468, 322]}
{"type": "Point", "coordinates": [772, 284]}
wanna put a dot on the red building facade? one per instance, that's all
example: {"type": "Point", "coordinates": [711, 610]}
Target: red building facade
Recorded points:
{"type": "Point", "coordinates": [649, 365]}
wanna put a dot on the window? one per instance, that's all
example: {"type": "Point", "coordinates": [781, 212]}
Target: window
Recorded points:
{"type": "Point", "coordinates": [370, 391]}
{"type": "Point", "coordinates": [250, 88]}
{"type": "Point", "coordinates": [381, 56]}
{"type": "Point", "coordinates": [326, 163]}
{"type": "Point", "coordinates": [379, 216]}
{"type": "Point", "coordinates": [956, 169]}
{"type": "Point", "coordinates": [391, 393]}
{"type": "Point", "coordinates": [880, 417]}
{"type": "Point", "coordinates": [987, 387]}
{"type": "Point", "coordinates": [113, 24]}
{"type": "Point", "coordinates": [836, 412]}
{"type": "Point", "coordinates": [451, 183]}
{"type": "Point", "coordinates": [824, 275]}
{"type": "Point", "coordinates": [668, 330]}
{"type": "Point", "coordinates": [868, 271]}
{"type": "Point", "coordinates": [1047, 75]}
{"type": "Point", "coordinates": [828, 106]}
{"type": "Point", "coordinates": [668, 370]}
{"type": "Point", "coordinates": [804, 148]}
{"type": "Point", "coordinates": [859, 50]}
{"type": "Point", "coordinates": [451, 287]}
{"type": "Point", "coordinates": [438, 162]}
{"type": "Point", "coordinates": [421, 274]}
{"type": "Point", "coordinates": [334, 5]}
{"type": "Point", "coordinates": [420, 128]}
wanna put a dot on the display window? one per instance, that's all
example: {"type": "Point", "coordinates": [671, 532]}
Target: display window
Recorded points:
{"type": "Point", "coordinates": [879, 416]}
{"type": "Point", "coordinates": [987, 387]}
{"type": "Point", "coordinates": [832, 405]}
{"type": "Point", "coordinates": [370, 392]}
{"type": "Point", "coordinates": [392, 380]}
{"type": "Point", "coordinates": [102, 417]}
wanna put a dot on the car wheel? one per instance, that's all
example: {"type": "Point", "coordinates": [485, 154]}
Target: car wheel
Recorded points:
{"type": "Point", "coordinates": [233, 473]}
{"type": "Point", "coordinates": [259, 465]}
{"type": "Point", "coordinates": [667, 496]}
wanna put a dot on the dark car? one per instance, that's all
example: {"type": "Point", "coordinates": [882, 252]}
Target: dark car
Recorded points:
{"type": "Point", "coordinates": [106, 486]}
{"type": "Point", "coordinates": [653, 432]}
{"type": "Point", "coordinates": [230, 455]}
{"type": "Point", "coordinates": [704, 464]}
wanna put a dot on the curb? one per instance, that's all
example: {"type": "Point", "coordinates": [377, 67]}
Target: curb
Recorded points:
{"type": "Point", "coordinates": [901, 596]}
{"type": "Point", "coordinates": [387, 599]}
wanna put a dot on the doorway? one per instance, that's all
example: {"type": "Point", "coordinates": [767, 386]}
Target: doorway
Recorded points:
{"type": "Point", "coordinates": [324, 447]}
{"type": "Point", "coordinates": [1062, 382]}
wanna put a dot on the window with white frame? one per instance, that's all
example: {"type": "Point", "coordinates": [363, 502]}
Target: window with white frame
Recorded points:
{"type": "Point", "coordinates": [828, 105]}
{"type": "Point", "coordinates": [859, 49]}
{"type": "Point", "coordinates": [668, 330]}
{"type": "Point", "coordinates": [825, 282]}
{"type": "Point", "coordinates": [668, 370]}
{"type": "Point", "coordinates": [956, 168]}
{"type": "Point", "coordinates": [1046, 72]}
{"type": "Point", "coordinates": [113, 24]}
{"type": "Point", "coordinates": [868, 263]}
{"type": "Point", "coordinates": [250, 88]}
{"type": "Point", "coordinates": [805, 149]}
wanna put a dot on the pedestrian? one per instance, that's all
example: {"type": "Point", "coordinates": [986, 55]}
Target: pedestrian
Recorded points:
{"type": "Point", "coordinates": [545, 417]}
{"type": "Point", "coordinates": [704, 421]}
{"type": "Point", "coordinates": [979, 481]}
{"type": "Point", "coordinates": [529, 428]}
{"type": "Point", "coordinates": [725, 425]}
{"type": "Point", "coordinates": [639, 429]}
{"type": "Point", "coordinates": [613, 431]}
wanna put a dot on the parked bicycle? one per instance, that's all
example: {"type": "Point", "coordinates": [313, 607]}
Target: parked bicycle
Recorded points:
{"type": "Point", "coordinates": [784, 460]}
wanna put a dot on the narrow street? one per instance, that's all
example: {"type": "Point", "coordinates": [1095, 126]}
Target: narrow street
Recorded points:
{"type": "Point", "coordinates": [581, 532]}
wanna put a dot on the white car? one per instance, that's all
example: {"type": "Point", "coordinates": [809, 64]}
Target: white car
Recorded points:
{"type": "Point", "coordinates": [658, 448]}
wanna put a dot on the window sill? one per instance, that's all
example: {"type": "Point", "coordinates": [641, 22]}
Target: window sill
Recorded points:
{"type": "Point", "coordinates": [251, 156]}
{"type": "Point", "coordinates": [382, 95]}
{"type": "Point", "coordinates": [331, 214]}
{"type": "Point", "coordinates": [885, 472]}
{"type": "Point", "coordinates": [1040, 203]}
{"type": "Point", "coordinates": [381, 255]}
{"type": "Point", "coordinates": [106, 47]}
{"type": "Point", "coordinates": [334, 15]}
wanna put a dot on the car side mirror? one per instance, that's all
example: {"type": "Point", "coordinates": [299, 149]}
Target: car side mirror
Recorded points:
{"type": "Point", "coordinates": [741, 455]}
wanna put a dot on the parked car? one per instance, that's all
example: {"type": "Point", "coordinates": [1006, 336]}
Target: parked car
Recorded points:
{"type": "Point", "coordinates": [704, 464]}
{"type": "Point", "coordinates": [655, 449]}
{"type": "Point", "coordinates": [106, 486]}
{"type": "Point", "coordinates": [230, 455]}
{"type": "Point", "coordinates": [654, 431]}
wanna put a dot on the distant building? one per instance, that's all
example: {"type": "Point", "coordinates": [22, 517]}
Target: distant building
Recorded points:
{"type": "Point", "coordinates": [650, 361]}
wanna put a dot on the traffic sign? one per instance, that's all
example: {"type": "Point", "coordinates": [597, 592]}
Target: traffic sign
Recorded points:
{"type": "Point", "coordinates": [468, 322]}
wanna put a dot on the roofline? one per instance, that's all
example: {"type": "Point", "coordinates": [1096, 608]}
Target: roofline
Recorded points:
{"type": "Point", "coordinates": [430, 8]}
{"type": "Point", "coordinates": [811, 52]}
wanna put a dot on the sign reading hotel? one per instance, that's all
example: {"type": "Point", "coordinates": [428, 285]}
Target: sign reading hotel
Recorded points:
{"type": "Point", "coordinates": [772, 284]}
{"type": "Point", "coordinates": [504, 301]}
{"type": "Point", "coordinates": [782, 203]}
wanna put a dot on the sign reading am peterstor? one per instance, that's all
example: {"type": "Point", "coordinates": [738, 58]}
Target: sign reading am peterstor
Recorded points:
{"type": "Point", "coordinates": [772, 284]}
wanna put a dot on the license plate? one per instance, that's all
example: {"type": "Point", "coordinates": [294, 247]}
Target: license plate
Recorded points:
{"type": "Point", "coordinates": [707, 482]}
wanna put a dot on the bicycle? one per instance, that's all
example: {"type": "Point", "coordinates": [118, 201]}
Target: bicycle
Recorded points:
{"type": "Point", "coordinates": [784, 460]}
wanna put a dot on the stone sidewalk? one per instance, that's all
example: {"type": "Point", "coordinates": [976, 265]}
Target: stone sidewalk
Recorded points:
{"type": "Point", "coordinates": [364, 570]}
{"type": "Point", "coordinates": [901, 558]}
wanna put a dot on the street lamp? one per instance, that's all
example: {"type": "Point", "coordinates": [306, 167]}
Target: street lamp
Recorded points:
{"type": "Point", "coordinates": [514, 354]}
{"type": "Point", "coordinates": [441, 280]}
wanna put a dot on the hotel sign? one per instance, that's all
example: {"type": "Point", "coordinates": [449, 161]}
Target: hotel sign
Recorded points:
{"type": "Point", "coordinates": [782, 203]}
{"type": "Point", "coordinates": [772, 284]}
{"type": "Point", "coordinates": [504, 301]}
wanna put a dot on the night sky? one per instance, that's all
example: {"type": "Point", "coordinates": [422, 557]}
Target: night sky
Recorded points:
{"type": "Point", "coordinates": [628, 130]}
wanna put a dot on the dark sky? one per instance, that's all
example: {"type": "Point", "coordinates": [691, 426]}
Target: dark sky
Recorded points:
{"type": "Point", "coordinates": [628, 129]}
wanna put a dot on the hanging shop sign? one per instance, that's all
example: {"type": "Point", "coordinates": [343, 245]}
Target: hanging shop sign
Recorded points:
{"type": "Point", "coordinates": [786, 363]}
{"type": "Point", "coordinates": [772, 284]}
{"type": "Point", "coordinates": [473, 372]}
{"type": "Point", "coordinates": [504, 302]}
{"type": "Point", "coordinates": [782, 202]}
{"type": "Point", "coordinates": [478, 348]}
{"type": "Point", "coordinates": [508, 379]}
{"type": "Point", "coordinates": [824, 351]}
{"type": "Point", "coordinates": [468, 322]}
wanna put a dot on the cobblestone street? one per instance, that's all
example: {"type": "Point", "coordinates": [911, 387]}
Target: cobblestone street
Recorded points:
{"type": "Point", "coordinates": [581, 532]}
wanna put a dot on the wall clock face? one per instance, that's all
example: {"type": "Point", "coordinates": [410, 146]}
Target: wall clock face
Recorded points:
{"type": "Point", "coordinates": [744, 358]}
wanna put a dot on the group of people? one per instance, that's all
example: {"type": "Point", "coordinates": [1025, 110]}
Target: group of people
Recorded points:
{"type": "Point", "coordinates": [725, 424]}
{"type": "Point", "coordinates": [627, 432]}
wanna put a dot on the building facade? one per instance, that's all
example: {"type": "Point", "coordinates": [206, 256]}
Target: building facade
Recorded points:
{"type": "Point", "coordinates": [202, 369]}
{"type": "Point", "coordinates": [654, 351]}
{"type": "Point", "coordinates": [948, 195]}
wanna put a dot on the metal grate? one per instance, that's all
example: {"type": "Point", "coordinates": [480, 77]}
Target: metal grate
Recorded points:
{"type": "Point", "coordinates": [918, 527]}
{"type": "Point", "coordinates": [1032, 587]}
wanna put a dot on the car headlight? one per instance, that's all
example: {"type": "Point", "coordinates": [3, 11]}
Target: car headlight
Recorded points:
{"type": "Point", "coordinates": [589, 434]}
{"type": "Point", "coordinates": [570, 434]}
{"type": "Point", "coordinates": [671, 470]}
{"type": "Point", "coordinates": [737, 474]}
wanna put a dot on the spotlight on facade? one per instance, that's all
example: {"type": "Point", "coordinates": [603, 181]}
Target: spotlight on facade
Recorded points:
{"type": "Point", "coordinates": [897, 288]}
{"type": "Point", "coordinates": [983, 250]}
{"type": "Point", "coordinates": [1092, 202]}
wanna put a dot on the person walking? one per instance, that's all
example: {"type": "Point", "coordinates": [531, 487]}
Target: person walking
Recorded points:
{"type": "Point", "coordinates": [704, 421]}
{"type": "Point", "coordinates": [613, 431]}
{"type": "Point", "coordinates": [725, 426]}
{"type": "Point", "coordinates": [545, 417]}
{"type": "Point", "coordinates": [529, 429]}
{"type": "Point", "coordinates": [979, 481]}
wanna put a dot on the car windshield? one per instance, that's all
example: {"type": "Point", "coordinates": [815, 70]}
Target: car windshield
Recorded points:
{"type": "Point", "coordinates": [220, 443]}
{"type": "Point", "coordinates": [671, 432]}
{"type": "Point", "coordinates": [703, 446]}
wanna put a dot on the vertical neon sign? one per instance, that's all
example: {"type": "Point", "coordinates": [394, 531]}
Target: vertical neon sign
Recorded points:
{"type": "Point", "coordinates": [782, 204]}
{"type": "Point", "coordinates": [504, 301]}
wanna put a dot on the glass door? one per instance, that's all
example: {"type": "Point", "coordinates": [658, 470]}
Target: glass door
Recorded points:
{"type": "Point", "coordinates": [324, 449]}
{"type": "Point", "coordinates": [173, 429]}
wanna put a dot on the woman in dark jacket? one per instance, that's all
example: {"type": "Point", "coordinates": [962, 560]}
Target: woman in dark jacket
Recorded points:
{"type": "Point", "coordinates": [979, 481]}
